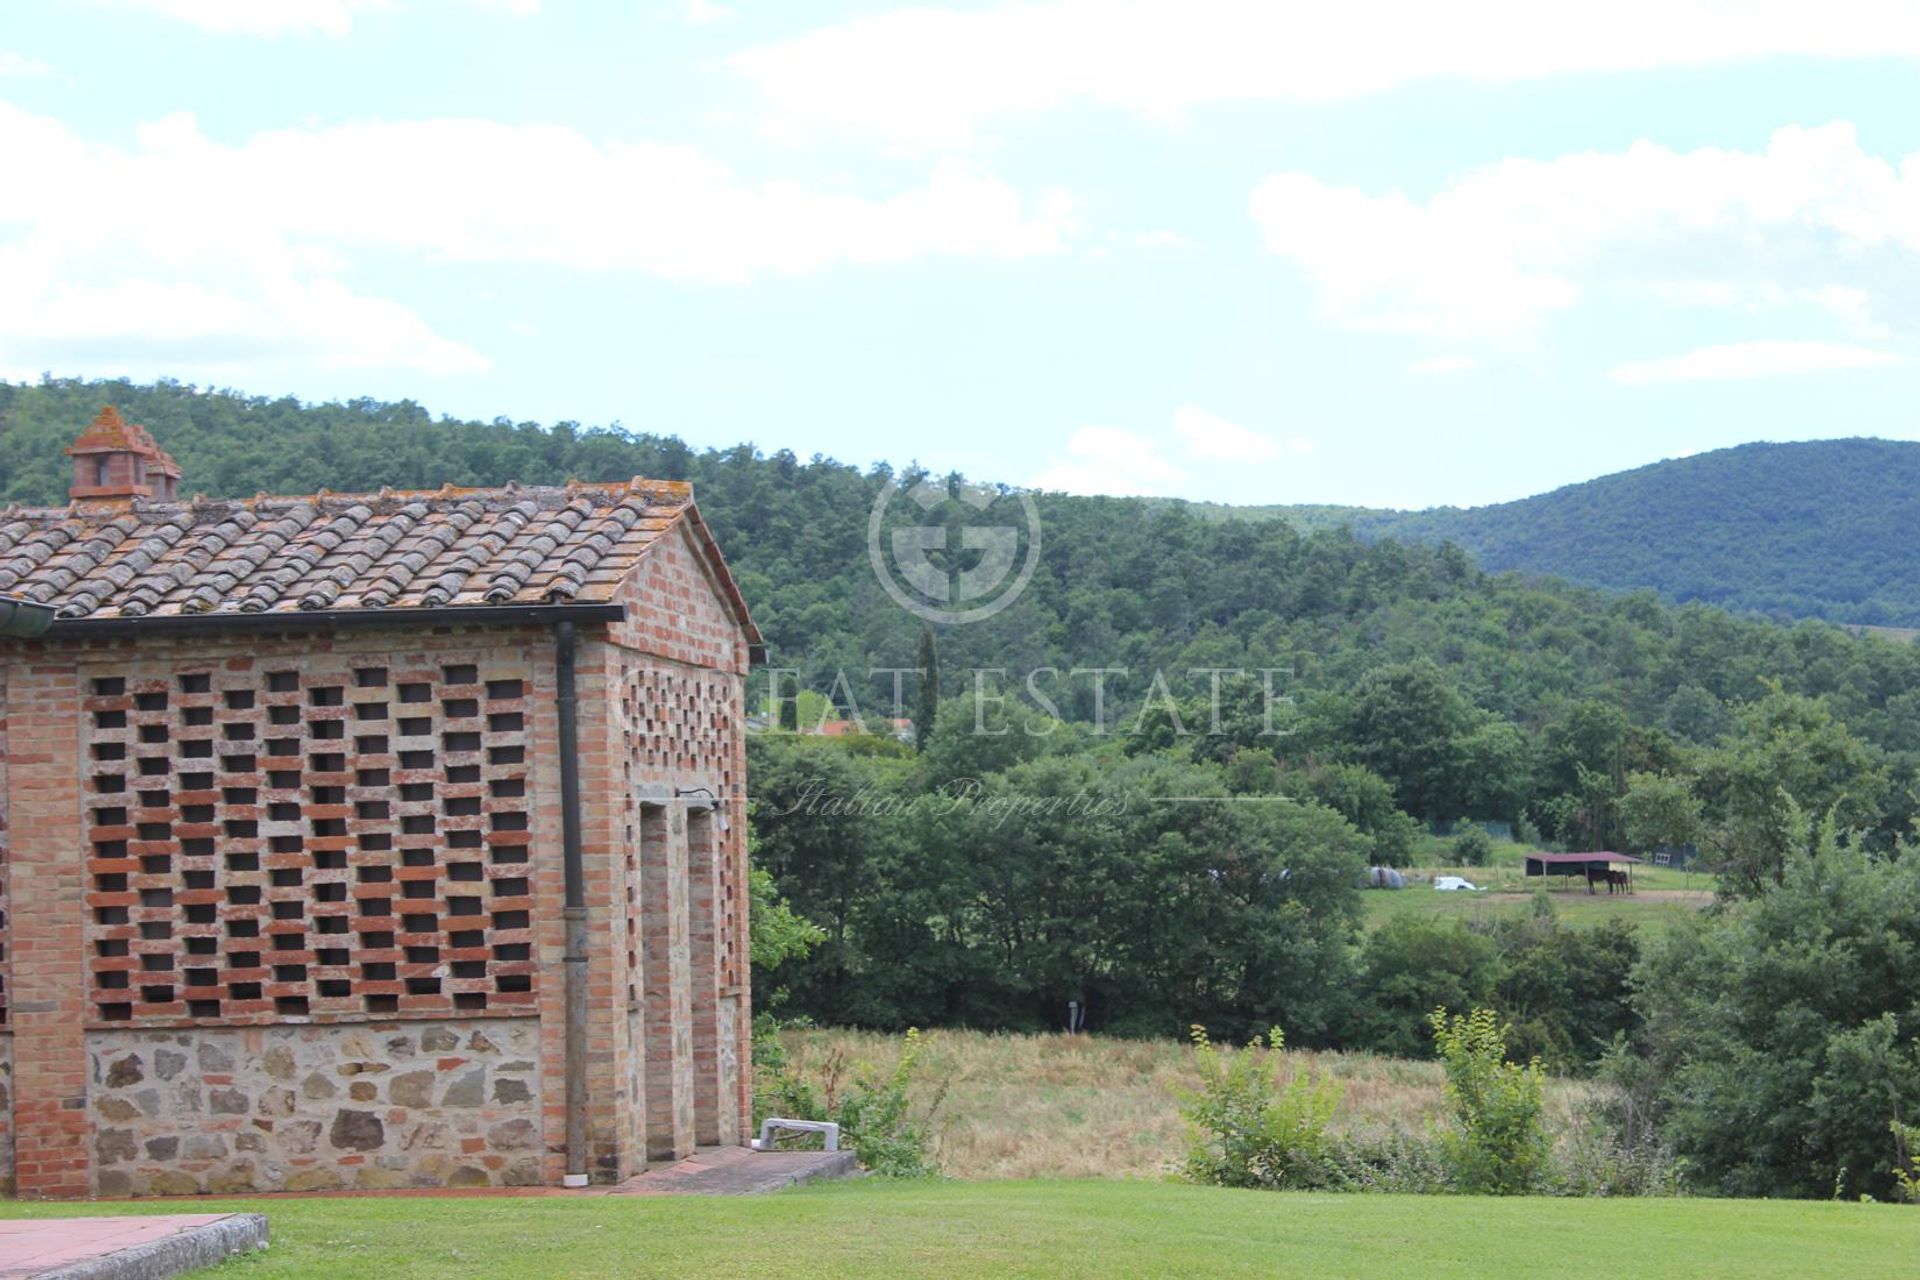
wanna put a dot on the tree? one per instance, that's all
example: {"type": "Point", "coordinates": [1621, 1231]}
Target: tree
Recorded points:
{"type": "Point", "coordinates": [1695, 715]}
{"type": "Point", "coordinates": [1779, 1038]}
{"type": "Point", "coordinates": [1407, 723]}
{"type": "Point", "coordinates": [1788, 767]}
{"type": "Point", "coordinates": [1586, 757]}
{"type": "Point", "coordinates": [1364, 799]}
{"type": "Point", "coordinates": [1659, 811]}
{"type": "Point", "coordinates": [1565, 993]}
{"type": "Point", "coordinates": [926, 695]}
{"type": "Point", "coordinates": [775, 932]}
{"type": "Point", "coordinates": [1092, 887]}
{"type": "Point", "coordinates": [822, 816]}
{"type": "Point", "coordinates": [1411, 964]}
{"type": "Point", "coordinates": [1496, 759]}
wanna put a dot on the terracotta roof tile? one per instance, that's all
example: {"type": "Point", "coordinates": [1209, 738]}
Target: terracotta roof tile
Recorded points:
{"type": "Point", "coordinates": [391, 551]}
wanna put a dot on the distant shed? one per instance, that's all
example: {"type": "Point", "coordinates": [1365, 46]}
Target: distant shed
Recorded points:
{"type": "Point", "coordinates": [1599, 867]}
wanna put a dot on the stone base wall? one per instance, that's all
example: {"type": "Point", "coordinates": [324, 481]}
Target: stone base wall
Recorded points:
{"type": "Point", "coordinates": [369, 1106]}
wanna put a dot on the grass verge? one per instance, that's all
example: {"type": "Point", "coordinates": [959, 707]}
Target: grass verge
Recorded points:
{"type": "Point", "coordinates": [1062, 1229]}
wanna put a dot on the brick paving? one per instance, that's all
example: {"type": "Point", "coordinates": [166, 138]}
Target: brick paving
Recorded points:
{"type": "Point", "coordinates": [153, 1246]}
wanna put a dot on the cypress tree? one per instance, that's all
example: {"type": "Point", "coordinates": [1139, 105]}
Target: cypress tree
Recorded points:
{"type": "Point", "coordinates": [789, 707]}
{"type": "Point", "coordinates": [926, 700]}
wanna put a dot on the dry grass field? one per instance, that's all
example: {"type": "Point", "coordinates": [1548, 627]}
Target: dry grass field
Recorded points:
{"type": "Point", "coordinates": [1061, 1106]}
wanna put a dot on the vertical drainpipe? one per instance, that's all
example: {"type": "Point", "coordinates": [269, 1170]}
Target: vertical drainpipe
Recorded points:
{"type": "Point", "coordinates": [575, 912]}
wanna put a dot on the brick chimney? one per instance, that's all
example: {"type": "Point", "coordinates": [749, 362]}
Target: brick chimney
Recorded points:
{"type": "Point", "coordinates": [115, 458]}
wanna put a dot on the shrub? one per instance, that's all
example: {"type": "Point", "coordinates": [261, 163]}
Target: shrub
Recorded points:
{"type": "Point", "coordinates": [1471, 848]}
{"type": "Point", "coordinates": [876, 1113]}
{"type": "Point", "coordinates": [1410, 964]}
{"type": "Point", "coordinates": [1906, 1165]}
{"type": "Point", "coordinates": [1249, 1128]}
{"type": "Point", "coordinates": [1395, 1162]}
{"type": "Point", "coordinates": [1614, 1150]}
{"type": "Point", "coordinates": [1565, 991]}
{"type": "Point", "coordinates": [1497, 1143]}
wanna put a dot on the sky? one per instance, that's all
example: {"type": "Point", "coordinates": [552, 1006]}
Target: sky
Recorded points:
{"type": "Point", "coordinates": [1253, 251]}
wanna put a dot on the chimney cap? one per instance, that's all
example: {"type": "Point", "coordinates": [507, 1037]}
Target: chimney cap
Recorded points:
{"type": "Point", "coordinates": [148, 470]}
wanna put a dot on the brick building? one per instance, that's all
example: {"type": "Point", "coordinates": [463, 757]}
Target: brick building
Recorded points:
{"type": "Point", "coordinates": [367, 840]}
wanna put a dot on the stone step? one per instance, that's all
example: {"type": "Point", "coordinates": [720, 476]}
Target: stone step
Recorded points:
{"type": "Point", "coordinates": [737, 1171]}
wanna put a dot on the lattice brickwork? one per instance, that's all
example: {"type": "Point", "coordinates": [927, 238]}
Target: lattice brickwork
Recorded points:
{"type": "Point", "coordinates": [677, 725]}
{"type": "Point", "coordinates": [328, 838]}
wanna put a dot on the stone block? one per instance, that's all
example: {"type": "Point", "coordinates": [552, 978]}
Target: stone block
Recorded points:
{"type": "Point", "coordinates": [469, 1090]}
{"type": "Point", "coordinates": [414, 1089]}
{"type": "Point", "coordinates": [110, 1146]}
{"type": "Point", "coordinates": [357, 1131]}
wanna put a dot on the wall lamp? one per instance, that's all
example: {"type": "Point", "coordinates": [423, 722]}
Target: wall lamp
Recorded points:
{"type": "Point", "coordinates": [706, 799]}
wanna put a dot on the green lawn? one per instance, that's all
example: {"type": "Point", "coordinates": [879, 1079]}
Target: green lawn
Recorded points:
{"type": "Point", "coordinates": [1065, 1229]}
{"type": "Point", "coordinates": [1654, 911]}
{"type": "Point", "coordinates": [1661, 896]}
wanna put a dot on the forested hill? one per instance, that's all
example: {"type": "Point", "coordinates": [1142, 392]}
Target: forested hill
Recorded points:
{"type": "Point", "coordinates": [1825, 529]}
{"type": "Point", "coordinates": [1122, 583]}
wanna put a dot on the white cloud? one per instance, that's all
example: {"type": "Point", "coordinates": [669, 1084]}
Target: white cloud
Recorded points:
{"type": "Point", "coordinates": [1112, 461]}
{"type": "Point", "coordinates": [239, 248]}
{"type": "Point", "coordinates": [317, 322]}
{"type": "Point", "coordinates": [19, 64]}
{"type": "Point", "coordinates": [1814, 218]}
{"type": "Point", "coordinates": [292, 17]}
{"type": "Point", "coordinates": [1741, 360]}
{"type": "Point", "coordinates": [1124, 463]}
{"type": "Point", "coordinates": [698, 13]}
{"type": "Point", "coordinates": [1442, 365]}
{"type": "Point", "coordinates": [1158, 238]}
{"type": "Point", "coordinates": [931, 76]}
{"type": "Point", "coordinates": [1206, 436]}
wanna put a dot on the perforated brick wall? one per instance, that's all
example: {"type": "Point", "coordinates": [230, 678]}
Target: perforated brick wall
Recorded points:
{"type": "Point", "coordinates": [678, 769]}
{"type": "Point", "coordinates": [678, 723]}
{"type": "Point", "coordinates": [331, 838]}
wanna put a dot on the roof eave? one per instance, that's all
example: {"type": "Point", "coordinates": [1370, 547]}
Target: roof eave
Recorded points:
{"type": "Point", "coordinates": [332, 620]}
{"type": "Point", "coordinates": [756, 643]}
